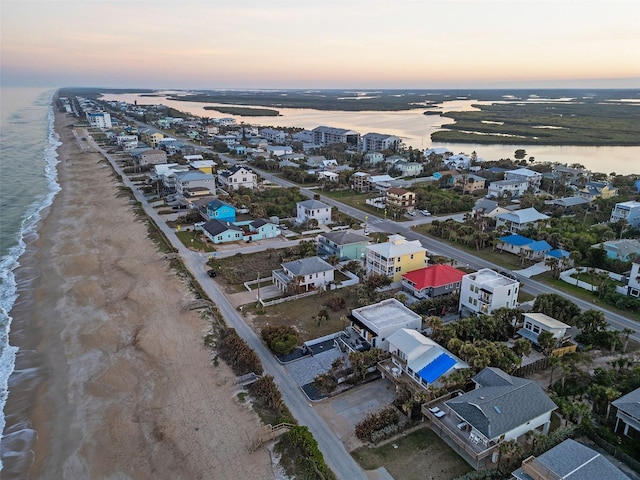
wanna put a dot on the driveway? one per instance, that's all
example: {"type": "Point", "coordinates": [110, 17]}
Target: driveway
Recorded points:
{"type": "Point", "coordinates": [536, 269]}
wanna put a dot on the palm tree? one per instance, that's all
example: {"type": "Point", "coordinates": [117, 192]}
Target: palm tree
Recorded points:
{"type": "Point", "coordinates": [627, 332]}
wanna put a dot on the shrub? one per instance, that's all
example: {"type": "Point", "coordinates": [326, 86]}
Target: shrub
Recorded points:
{"type": "Point", "coordinates": [235, 351]}
{"type": "Point", "coordinates": [376, 421]}
{"type": "Point", "coordinates": [302, 449]}
{"type": "Point", "coordinates": [280, 338]}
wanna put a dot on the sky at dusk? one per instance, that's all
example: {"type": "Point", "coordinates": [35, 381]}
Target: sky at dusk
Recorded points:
{"type": "Point", "coordinates": [321, 44]}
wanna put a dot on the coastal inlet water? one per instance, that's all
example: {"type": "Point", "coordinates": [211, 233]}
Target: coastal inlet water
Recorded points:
{"type": "Point", "coordinates": [27, 186]}
{"type": "Point", "coordinates": [415, 129]}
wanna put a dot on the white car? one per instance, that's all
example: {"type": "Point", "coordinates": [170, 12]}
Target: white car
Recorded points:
{"type": "Point", "coordinates": [412, 213]}
{"type": "Point", "coordinates": [426, 213]}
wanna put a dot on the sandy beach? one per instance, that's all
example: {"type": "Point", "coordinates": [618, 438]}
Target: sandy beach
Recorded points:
{"type": "Point", "coordinates": [128, 390]}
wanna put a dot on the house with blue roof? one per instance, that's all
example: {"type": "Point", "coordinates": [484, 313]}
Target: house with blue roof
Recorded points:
{"type": "Point", "coordinates": [516, 244]}
{"type": "Point", "coordinates": [420, 358]}
{"type": "Point", "coordinates": [218, 210]}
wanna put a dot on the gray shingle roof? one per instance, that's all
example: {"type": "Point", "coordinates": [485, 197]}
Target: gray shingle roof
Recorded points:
{"type": "Point", "coordinates": [313, 204]}
{"type": "Point", "coordinates": [345, 237]}
{"type": "Point", "coordinates": [501, 403]}
{"type": "Point", "coordinates": [307, 266]}
{"type": "Point", "coordinates": [571, 460]}
{"type": "Point", "coordinates": [629, 403]}
{"type": "Point", "coordinates": [216, 227]}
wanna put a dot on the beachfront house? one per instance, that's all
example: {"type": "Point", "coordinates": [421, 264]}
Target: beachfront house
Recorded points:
{"type": "Point", "coordinates": [486, 290]}
{"type": "Point", "coordinates": [303, 274]}
{"type": "Point", "coordinates": [219, 210]}
{"type": "Point", "coordinates": [218, 231]}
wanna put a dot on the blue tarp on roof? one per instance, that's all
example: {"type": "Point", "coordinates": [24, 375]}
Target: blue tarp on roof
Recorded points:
{"type": "Point", "coordinates": [517, 240]}
{"type": "Point", "coordinates": [435, 369]}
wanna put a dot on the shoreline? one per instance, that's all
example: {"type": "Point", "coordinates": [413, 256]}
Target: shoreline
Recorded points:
{"type": "Point", "coordinates": [111, 376]}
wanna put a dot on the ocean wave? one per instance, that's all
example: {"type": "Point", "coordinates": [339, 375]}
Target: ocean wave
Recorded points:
{"type": "Point", "coordinates": [10, 261]}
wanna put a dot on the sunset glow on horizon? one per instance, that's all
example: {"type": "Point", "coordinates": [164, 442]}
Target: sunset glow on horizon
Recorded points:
{"type": "Point", "coordinates": [329, 44]}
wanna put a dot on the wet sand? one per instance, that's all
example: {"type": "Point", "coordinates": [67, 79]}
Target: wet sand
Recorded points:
{"type": "Point", "coordinates": [112, 373]}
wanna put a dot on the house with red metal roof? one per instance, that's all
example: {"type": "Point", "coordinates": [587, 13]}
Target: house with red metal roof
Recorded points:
{"type": "Point", "coordinates": [432, 281]}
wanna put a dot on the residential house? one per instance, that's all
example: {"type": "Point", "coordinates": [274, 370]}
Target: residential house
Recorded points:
{"type": "Point", "coordinates": [408, 169]}
{"type": "Point", "coordinates": [364, 182]}
{"type": "Point", "coordinates": [278, 150]}
{"type": "Point", "coordinates": [518, 219]}
{"type": "Point", "coordinates": [633, 287]}
{"type": "Point", "coordinates": [536, 323]}
{"type": "Point", "coordinates": [374, 158]}
{"type": "Point", "coordinates": [344, 245]}
{"type": "Point", "coordinates": [487, 208]}
{"type": "Point", "coordinates": [469, 183]}
{"type": "Point", "coordinates": [517, 244]}
{"type": "Point", "coordinates": [151, 157]}
{"type": "Point", "coordinates": [625, 250]}
{"type": "Point", "coordinates": [127, 142]}
{"type": "Point", "coordinates": [628, 212]}
{"type": "Point", "coordinates": [238, 149]}
{"type": "Point", "coordinates": [324, 136]}
{"type": "Point", "coordinates": [395, 257]}
{"type": "Point", "coordinates": [420, 358]}
{"type": "Point", "coordinates": [374, 142]}
{"type": "Point", "coordinates": [205, 166]}
{"type": "Point", "coordinates": [375, 323]}
{"type": "Point", "coordinates": [258, 229]}
{"type": "Point", "coordinates": [151, 138]}
{"type": "Point", "coordinates": [313, 210]}
{"type": "Point", "coordinates": [507, 188]}
{"type": "Point", "coordinates": [628, 412]}
{"type": "Point", "coordinates": [329, 176]}
{"type": "Point", "coordinates": [437, 151]}
{"type": "Point", "coordinates": [304, 274]}
{"type": "Point", "coordinates": [458, 162]}
{"type": "Point", "coordinates": [228, 140]}
{"type": "Point", "coordinates": [315, 161]}
{"type": "Point", "coordinates": [163, 171]}
{"type": "Point", "coordinates": [400, 198]}
{"type": "Point", "coordinates": [218, 231]}
{"type": "Point", "coordinates": [484, 291]}
{"type": "Point", "coordinates": [569, 460]}
{"type": "Point", "coordinates": [218, 210]}
{"type": "Point", "coordinates": [191, 179]}
{"type": "Point", "coordinates": [360, 182]}
{"type": "Point", "coordinates": [593, 190]}
{"type": "Point", "coordinates": [238, 176]}
{"type": "Point", "coordinates": [500, 408]}
{"type": "Point", "coordinates": [569, 202]}
{"type": "Point", "coordinates": [568, 175]}
{"type": "Point", "coordinates": [432, 281]}
{"type": "Point", "coordinates": [533, 179]}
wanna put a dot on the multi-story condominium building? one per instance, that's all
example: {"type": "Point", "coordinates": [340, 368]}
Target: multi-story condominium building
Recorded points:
{"type": "Point", "coordinates": [375, 142]}
{"type": "Point", "coordinates": [504, 188]}
{"type": "Point", "coordinates": [324, 136]}
{"type": "Point", "coordinates": [238, 176]}
{"type": "Point", "coordinates": [313, 210]}
{"type": "Point", "coordinates": [534, 179]}
{"type": "Point", "coordinates": [486, 290]}
{"type": "Point", "coordinates": [401, 198]}
{"type": "Point", "coordinates": [395, 257]}
{"type": "Point", "coordinates": [99, 119]}
{"type": "Point", "coordinates": [627, 211]}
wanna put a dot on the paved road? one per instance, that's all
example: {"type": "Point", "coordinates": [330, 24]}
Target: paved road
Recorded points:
{"type": "Point", "coordinates": [336, 456]}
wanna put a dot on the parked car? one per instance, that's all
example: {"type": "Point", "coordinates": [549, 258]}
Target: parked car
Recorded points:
{"type": "Point", "coordinates": [211, 273]}
{"type": "Point", "coordinates": [412, 213]}
{"type": "Point", "coordinates": [426, 213]}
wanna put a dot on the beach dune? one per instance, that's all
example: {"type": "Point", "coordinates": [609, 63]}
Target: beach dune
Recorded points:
{"type": "Point", "coordinates": [129, 390]}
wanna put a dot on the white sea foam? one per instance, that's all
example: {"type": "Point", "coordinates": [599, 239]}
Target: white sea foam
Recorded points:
{"type": "Point", "coordinates": [10, 261]}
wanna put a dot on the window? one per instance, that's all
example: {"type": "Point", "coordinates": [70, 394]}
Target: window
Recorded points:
{"type": "Point", "coordinates": [412, 256]}
{"type": "Point", "coordinates": [536, 329]}
{"type": "Point", "coordinates": [398, 269]}
{"type": "Point", "coordinates": [470, 300]}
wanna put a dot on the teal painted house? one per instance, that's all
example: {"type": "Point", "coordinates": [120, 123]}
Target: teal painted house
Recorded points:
{"type": "Point", "coordinates": [218, 210]}
{"type": "Point", "coordinates": [221, 232]}
{"type": "Point", "coordinates": [345, 245]}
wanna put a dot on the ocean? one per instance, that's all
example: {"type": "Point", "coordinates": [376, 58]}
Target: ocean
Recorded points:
{"type": "Point", "coordinates": [28, 184]}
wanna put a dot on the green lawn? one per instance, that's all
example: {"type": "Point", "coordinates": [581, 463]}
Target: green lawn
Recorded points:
{"type": "Point", "coordinates": [194, 241]}
{"type": "Point", "coordinates": [417, 455]}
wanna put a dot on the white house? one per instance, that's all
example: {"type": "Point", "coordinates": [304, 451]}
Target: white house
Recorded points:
{"type": "Point", "coordinates": [519, 219]}
{"type": "Point", "coordinates": [420, 358]}
{"type": "Point", "coordinates": [628, 411]}
{"type": "Point", "coordinates": [375, 323]}
{"type": "Point", "coordinates": [273, 135]}
{"type": "Point", "coordinates": [633, 287]}
{"type": "Point", "coordinates": [504, 188]}
{"type": "Point", "coordinates": [238, 176]}
{"type": "Point", "coordinates": [536, 323]}
{"type": "Point", "coordinates": [486, 290]}
{"type": "Point", "coordinates": [313, 210]}
{"type": "Point", "coordinates": [534, 179]}
{"type": "Point", "coordinates": [278, 150]}
{"type": "Point", "coordinates": [374, 158]}
{"type": "Point", "coordinates": [305, 273]}
{"type": "Point", "coordinates": [627, 211]}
